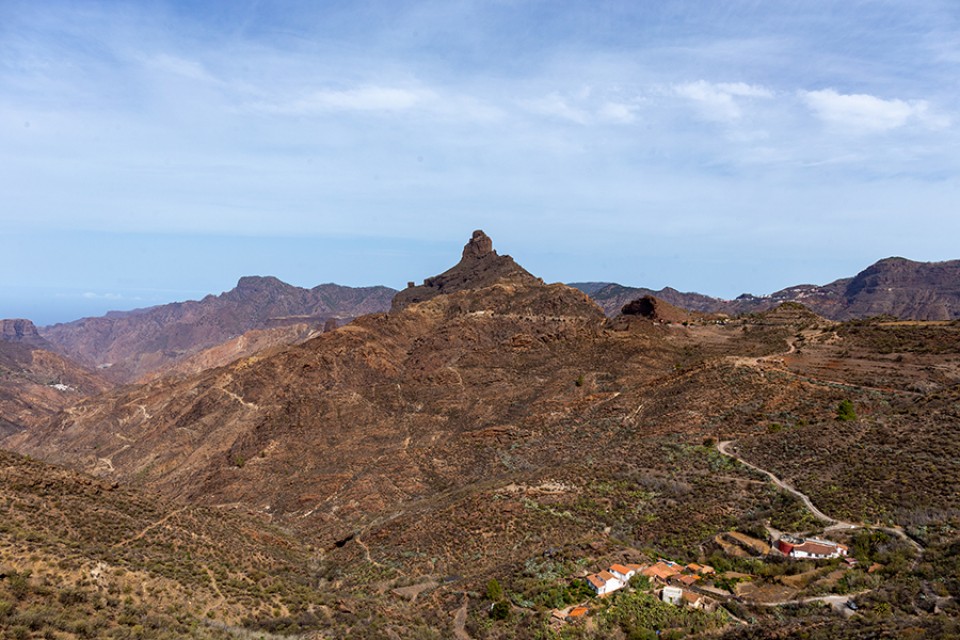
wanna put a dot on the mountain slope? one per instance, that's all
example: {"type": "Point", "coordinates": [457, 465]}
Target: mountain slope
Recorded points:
{"type": "Point", "coordinates": [84, 558]}
{"type": "Point", "coordinates": [128, 345]}
{"type": "Point", "coordinates": [36, 382]}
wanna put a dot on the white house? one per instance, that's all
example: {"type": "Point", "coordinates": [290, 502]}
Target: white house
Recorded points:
{"type": "Point", "coordinates": [672, 595]}
{"type": "Point", "coordinates": [604, 582]}
{"type": "Point", "coordinates": [623, 572]}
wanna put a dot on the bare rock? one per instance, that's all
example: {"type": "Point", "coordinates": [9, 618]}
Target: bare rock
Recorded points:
{"type": "Point", "coordinates": [480, 266]}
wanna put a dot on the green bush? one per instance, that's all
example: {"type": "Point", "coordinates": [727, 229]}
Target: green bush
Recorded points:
{"type": "Point", "coordinates": [500, 610]}
{"type": "Point", "coordinates": [494, 590]}
{"type": "Point", "coordinates": [846, 412]}
{"type": "Point", "coordinates": [19, 584]}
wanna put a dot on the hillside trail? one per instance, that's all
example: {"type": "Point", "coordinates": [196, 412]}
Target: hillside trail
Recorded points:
{"type": "Point", "coordinates": [149, 527]}
{"type": "Point", "coordinates": [460, 622]}
{"type": "Point", "coordinates": [221, 599]}
{"type": "Point", "coordinates": [832, 523]}
{"type": "Point", "coordinates": [776, 362]}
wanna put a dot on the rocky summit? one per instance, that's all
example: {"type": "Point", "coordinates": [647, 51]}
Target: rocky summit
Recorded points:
{"type": "Point", "coordinates": [479, 266]}
{"type": "Point", "coordinates": [19, 330]}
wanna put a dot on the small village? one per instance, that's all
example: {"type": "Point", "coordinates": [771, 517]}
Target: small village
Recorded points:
{"type": "Point", "coordinates": [695, 585]}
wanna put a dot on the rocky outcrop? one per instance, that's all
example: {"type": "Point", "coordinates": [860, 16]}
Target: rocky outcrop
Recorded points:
{"type": "Point", "coordinates": [905, 289]}
{"type": "Point", "coordinates": [657, 310]}
{"type": "Point", "coordinates": [19, 330]}
{"type": "Point", "coordinates": [479, 266]}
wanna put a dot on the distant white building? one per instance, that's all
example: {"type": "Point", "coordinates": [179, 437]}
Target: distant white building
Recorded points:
{"type": "Point", "coordinates": [672, 595]}
{"type": "Point", "coordinates": [810, 548]}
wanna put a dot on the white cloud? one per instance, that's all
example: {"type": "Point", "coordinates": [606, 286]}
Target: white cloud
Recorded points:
{"type": "Point", "coordinates": [90, 295]}
{"type": "Point", "coordinates": [370, 98]}
{"type": "Point", "coordinates": [586, 107]}
{"type": "Point", "coordinates": [617, 112]}
{"type": "Point", "coordinates": [717, 100]}
{"type": "Point", "coordinates": [557, 106]}
{"type": "Point", "coordinates": [867, 113]}
{"type": "Point", "coordinates": [180, 66]}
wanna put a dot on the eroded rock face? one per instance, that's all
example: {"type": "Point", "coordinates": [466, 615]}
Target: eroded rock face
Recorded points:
{"type": "Point", "coordinates": [655, 309]}
{"type": "Point", "coordinates": [480, 245]}
{"type": "Point", "coordinates": [18, 330]}
{"type": "Point", "coordinates": [480, 266]}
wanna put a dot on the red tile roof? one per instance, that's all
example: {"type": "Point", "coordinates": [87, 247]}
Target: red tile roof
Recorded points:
{"type": "Point", "coordinates": [596, 581]}
{"type": "Point", "coordinates": [661, 570]}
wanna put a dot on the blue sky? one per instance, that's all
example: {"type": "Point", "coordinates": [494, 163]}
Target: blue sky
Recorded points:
{"type": "Point", "coordinates": [152, 152]}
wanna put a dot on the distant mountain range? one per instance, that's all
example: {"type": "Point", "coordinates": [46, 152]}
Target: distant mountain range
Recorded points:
{"type": "Point", "coordinates": [261, 312]}
{"type": "Point", "coordinates": [894, 286]}
{"type": "Point", "coordinates": [128, 345]}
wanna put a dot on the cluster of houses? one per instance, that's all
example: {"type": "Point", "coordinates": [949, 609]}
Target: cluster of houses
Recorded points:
{"type": "Point", "coordinates": [675, 579]}
{"type": "Point", "coordinates": [794, 547]}
{"type": "Point", "coordinates": [678, 584]}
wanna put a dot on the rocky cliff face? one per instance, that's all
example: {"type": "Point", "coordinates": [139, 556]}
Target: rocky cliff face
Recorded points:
{"type": "Point", "coordinates": [905, 289]}
{"type": "Point", "coordinates": [126, 346]}
{"type": "Point", "coordinates": [19, 330]}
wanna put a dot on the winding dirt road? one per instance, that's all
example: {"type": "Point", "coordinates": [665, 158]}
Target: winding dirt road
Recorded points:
{"type": "Point", "coordinates": [832, 523]}
{"type": "Point", "coordinates": [723, 447]}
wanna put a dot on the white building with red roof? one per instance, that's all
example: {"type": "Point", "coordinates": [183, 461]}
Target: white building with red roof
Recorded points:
{"type": "Point", "coordinates": [604, 582]}
{"type": "Point", "coordinates": [810, 548]}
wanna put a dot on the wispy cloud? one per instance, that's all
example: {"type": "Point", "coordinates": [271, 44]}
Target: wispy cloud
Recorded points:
{"type": "Point", "coordinates": [366, 98]}
{"type": "Point", "coordinates": [720, 101]}
{"type": "Point", "coordinates": [557, 106]}
{"type": "Point", "coordinates": [179, 66]}
{"type": "Point", "coordinates": [586, 106]}
{"type": "Point", "coordinates": [864, 113]}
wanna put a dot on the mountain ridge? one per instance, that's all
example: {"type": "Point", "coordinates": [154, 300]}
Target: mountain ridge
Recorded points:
{"type": "Point", "coordinates": [894, 286]}
{"type": "Point", "coordinates": [127, 345]}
